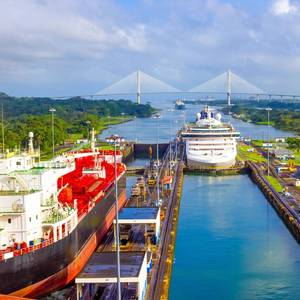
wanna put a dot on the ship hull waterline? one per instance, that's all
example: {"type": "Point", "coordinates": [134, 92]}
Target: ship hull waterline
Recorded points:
{"type": "Point", "coordinates": [199, 165]}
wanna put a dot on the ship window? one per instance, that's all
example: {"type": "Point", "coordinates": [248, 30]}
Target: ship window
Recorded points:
{"type": "Point", "coordinates": [36, 217]}
{"type": "Point", "coordinates": [29, 219]}
{"type": "Point", "coordinates": [9, 221]}
{"type": "Point", "coordinates": [18, 163]}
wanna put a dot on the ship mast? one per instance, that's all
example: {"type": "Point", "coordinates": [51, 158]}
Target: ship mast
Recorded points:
{"type": "Point", "coordinates": [138, 87]}
{"type": "Point", "coordinates": [229, 87]}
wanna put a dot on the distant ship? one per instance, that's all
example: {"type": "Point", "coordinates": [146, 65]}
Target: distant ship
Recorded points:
{"type": "Point", "coordinates": [210, 144]}
{"type": "Point", "coordinates": [179, 104]}
{"type": "Point", "coordinates": [53, 215]}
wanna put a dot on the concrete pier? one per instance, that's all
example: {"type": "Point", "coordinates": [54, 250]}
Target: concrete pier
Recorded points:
{"type": "Point", "coordinates": [291, 220]}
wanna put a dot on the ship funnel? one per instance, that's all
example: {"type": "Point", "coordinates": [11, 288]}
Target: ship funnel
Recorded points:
{"type": "Point", "coordinates": [30, 143]}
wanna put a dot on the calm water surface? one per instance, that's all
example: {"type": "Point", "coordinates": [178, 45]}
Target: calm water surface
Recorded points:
{"type": "Point", "coordinates": [145, 130]}
{"type": "Point", "coordinates": [231, 244]}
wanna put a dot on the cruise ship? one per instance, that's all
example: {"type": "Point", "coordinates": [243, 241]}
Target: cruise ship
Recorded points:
{"type": "Point", "coordinates": [53, 215]}
{"type": "Point", "coordinates": [210, 144]}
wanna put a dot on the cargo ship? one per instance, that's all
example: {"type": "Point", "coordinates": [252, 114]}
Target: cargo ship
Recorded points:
{"type": "Point", "coordinates": [179, 104]}
{"type": "Point", "coordinates": [53, 216]}
{"type": "Point", "coordinates": [210, 143]}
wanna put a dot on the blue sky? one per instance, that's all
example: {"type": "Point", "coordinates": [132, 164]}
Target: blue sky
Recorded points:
{"type": "Point", "coordinates": [74, 47]}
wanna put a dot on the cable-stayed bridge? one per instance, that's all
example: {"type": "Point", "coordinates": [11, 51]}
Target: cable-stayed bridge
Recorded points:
{"type": "Point", "coordinates": [135, 83]}
{"type": "Point", "coordinates": [227, 83]}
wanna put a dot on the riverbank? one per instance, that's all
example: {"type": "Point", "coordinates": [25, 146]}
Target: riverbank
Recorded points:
{"type": "Point", "coordinates": [287, 119]}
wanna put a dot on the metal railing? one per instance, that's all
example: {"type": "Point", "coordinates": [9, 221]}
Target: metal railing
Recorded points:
{"type": "Point", "coordinates": [14, 208]}
{"type": "Point", "coordinates": [28, 249]}
{"type": "Point", "coordinates": [25, 250]}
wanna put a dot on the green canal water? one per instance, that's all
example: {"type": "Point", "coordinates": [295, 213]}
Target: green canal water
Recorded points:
{"type": "Point", "coordinates": [231, 244]}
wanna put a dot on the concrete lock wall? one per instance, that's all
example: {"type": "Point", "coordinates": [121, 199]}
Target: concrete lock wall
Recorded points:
{"type": "Point", "coordinates": [142, 280]}
{"type": "Point", "coordinates": [142, 150]}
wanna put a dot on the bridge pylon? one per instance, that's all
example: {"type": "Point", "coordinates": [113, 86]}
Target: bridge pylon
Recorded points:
{"type": "Point", "coordinates": [229, 87]}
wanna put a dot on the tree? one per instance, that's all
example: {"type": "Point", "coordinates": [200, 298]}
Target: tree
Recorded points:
{"type": "Point", "coordinates": [294, 143]}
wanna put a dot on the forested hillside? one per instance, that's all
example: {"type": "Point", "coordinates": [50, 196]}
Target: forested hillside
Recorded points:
{"type": "Point", "coordinates": [73, 117]}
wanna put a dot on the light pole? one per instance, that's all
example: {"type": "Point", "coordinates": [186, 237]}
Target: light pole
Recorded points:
{"type": "Point", "coordinates": [157, 117]}
{"type": "Point", "coordinates": [170, 152]}
{"type": "Point", "coordinates": [88, 129]}
{"type": "Point", "coordinates": [2, 122]}
{"type": "Point", "coordinates": [52, 110]}
{"type": "Point", "coordinates": [268, 109]}
{"type": "Point", "coordinates": [116, 140]}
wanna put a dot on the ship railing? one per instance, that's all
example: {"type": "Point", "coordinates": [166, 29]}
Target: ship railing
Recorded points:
{"type": "Point", "coordinates": [14, 192]}
{"type": "Point", "coordinates": [51, 165]}
{"type": "Point", "coordinates": [18, 252]}
{"type": "Point", "coordinates": [48, 202]}
{"type": "Point", "coordinates": [13, 209]}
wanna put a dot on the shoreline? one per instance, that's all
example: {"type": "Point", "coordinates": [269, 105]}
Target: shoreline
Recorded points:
{"type": "Point", "coordinates": [260, 123]}
{"type": "Point", "coordinates": [99, 130]}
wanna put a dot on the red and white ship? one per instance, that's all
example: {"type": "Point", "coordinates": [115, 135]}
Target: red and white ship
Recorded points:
{"type": "Point", "coordinates": [53, 216]}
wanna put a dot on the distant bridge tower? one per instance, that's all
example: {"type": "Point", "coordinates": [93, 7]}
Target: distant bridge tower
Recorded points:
{"type": "Point", "coordinates": [229, 87]}
{"type": "Point", "coordinates": [138, 87]}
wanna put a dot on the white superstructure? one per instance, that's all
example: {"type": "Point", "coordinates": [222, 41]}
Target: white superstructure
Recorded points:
{"type": "Point", "coordinates": [209, 142]}
{"type": "Point", "coordinates": [28, 198]}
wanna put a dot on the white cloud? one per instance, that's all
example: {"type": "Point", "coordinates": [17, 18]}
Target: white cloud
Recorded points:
{"type": "Point", "coordinates": [79, 46]}
{"type": "Point", "coordinates": [283, 7]}
{"type": "Point", "coordinates": [53, 30]}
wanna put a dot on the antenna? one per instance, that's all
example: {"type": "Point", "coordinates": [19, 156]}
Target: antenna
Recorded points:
{"type": "Point", "coordinates": [138, 87]}
{"type": "Point", "coordinates": [229, 87]}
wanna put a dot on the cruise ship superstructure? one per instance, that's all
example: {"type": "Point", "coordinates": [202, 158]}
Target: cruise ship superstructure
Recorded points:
{"type": "Point", "coordinates": [210, 144]}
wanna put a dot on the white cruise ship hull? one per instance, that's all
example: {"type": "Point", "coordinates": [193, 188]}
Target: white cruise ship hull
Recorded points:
{"type": "Point", "coordinates": [202, 163]}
